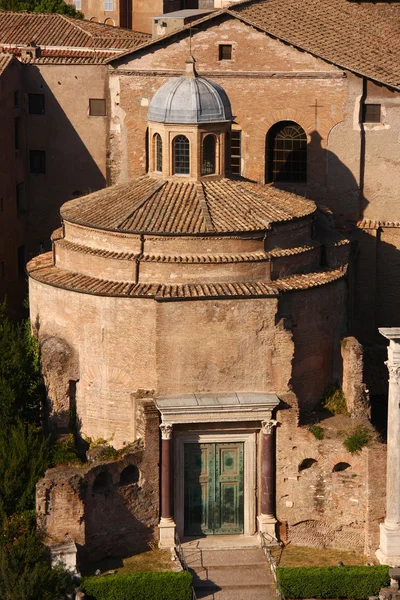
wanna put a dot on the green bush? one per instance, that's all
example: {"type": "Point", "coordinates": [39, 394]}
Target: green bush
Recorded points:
{"type": "Point", "coordinates": [332, 582]}
{"type": "Point", "coordinates": [317, 431]}
{"type": "Point", "coordinates": [359, 437]}
{"type": "Point", "coordinates": [140, 586]}
{"type": "Point", "coordinates": [334, 401]}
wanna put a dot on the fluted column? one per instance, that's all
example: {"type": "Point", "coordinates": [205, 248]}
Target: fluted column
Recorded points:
{"type": "Point", "coordinates": [167, 524]}
{"type": "Point", "coordinates": [267, 520]}
{"type": "Point", "coordinates": [389, 546]}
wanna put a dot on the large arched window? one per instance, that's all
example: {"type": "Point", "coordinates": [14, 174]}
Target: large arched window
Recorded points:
{"type": "Point", "coordinates": [181, 154]}
{"type": "Point", "coordinates": [208, 161]}
{"type": "Point", "coordinates": [158, 152]}
{"type": "Point", "coordinates": [286, 153]}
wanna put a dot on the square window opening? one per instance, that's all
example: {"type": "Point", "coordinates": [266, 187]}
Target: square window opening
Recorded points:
{"type": "Point", "coordinates": [97, 107]}
{"type": "Point", "coordinates": [36, 104]}
{"type": "Point", "coordinates": [225, 52]}
{"type": "Point", "coordinates": [37, 161]}
{"type": "Point", "coordinates": [371, 113]}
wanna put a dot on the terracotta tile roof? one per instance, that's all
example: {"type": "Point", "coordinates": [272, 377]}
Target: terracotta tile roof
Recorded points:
{"type": "Point", "coordinates": [358, 36]}
{"type": "Point", "coordinates": [149, 205]}
{"type": "Point", "coordinates": [55, 56]}
{"type": "Point", "coordinates": [41, 269]}
{"type": "Point", "coordinates": [5, 60]}
{"type": "Point", "coordinates": [362, 37]}
{"type": "Point", "coordinates": [371, 224]}
{"type": "Point", "coordinates": [20, 28]}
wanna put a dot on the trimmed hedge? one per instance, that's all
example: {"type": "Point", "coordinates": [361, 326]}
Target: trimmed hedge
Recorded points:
{"type": "Point", "coordinates": [140, 586]}
{"type": "Point", "coordinates": [332, 582]}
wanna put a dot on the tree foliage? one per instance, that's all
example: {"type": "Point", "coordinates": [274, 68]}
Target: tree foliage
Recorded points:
{"type": "Point", "coordinates": [25, 570]}
{"type": "Point", "coordinates": [41, 6]}
{"type": "Point", "coordinates": [25, 454]}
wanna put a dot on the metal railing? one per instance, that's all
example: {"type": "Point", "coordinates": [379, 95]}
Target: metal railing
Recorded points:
{"type": "Point", "coordinates": [268, 542]}
{"type": "Point", "coordinates": [181, 557]}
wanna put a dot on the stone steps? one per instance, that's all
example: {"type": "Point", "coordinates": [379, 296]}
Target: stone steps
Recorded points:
{"type": "Point", "coordinates": [234, 574]}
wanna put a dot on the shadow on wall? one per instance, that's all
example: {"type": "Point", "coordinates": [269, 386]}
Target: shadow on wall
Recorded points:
{"type": "Point", "coordinates": [119, 513]}
{"type": "Point", "coordinates": [70, 169]}
{"type": "Point", "coordinates": [313, 171]}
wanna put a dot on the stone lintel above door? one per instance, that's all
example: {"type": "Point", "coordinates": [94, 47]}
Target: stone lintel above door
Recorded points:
{"type": "Point", "coordinates": [216, 407]}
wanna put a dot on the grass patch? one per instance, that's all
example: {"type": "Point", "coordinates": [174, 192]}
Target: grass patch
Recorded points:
{"type": "Point", "coordinates": [317, 431]}
{"type": "Point", "coordinates": [302, 556]}
{"type": "Point", "coordinates": [334, 401]}
{"type": "Point", "coordinates": [151, 560]}
{"type": "Point", "coordinates": [359, 437]}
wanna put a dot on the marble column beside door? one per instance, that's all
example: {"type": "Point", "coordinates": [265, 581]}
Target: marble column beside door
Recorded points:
{"type": "Point", "coordinates": [267, 520]}
{"type": "Point", "coordinates": [167, 523]}
{"type": "Point", "coordinates": [389, 545]}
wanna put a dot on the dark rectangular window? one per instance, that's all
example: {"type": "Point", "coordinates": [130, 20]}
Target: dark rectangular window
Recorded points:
{"type": "Point", "coordinates": [17, 133]}
{"type": "Point", "coordinates": [21, 261]}
{"type": "Point", "coordinates": [236, 152]}
{"type": "Point", "coordinates": [36, 104]}
{"type": "Point", "coordinates": [371, 113]}
{"type": "Point", "coordinates": [225, 52]}
{"type": "Point", "coordinates": [20, 197]}
{"type": "Point", "coordinates": [97, 107]}
{"type": "Point", "coordinates": [37, 161]}
{"type": "Point", "coordinates": [16, 99]}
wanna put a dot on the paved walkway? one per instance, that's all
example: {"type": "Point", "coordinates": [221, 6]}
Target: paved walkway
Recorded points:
{"type": "Point", "coordinates": [226, 571]}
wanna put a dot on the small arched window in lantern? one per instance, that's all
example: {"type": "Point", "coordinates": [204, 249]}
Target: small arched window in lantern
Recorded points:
{"type": "Point", "coordinates": [181, 154]}
{"type": "Point", "coordinates": [208, 163]}
{"type": "Point", "coordinates": [158, 152]}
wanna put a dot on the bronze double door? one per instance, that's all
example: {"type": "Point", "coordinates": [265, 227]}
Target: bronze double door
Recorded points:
{"type": "Point", "coordinates": [213, 488]}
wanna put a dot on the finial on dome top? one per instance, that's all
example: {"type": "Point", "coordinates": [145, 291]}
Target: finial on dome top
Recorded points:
{"type": "Point", "coordinates": [190, 68]}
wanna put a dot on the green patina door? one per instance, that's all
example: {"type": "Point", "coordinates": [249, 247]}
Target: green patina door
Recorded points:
{"type": "Point", "coordinates": [214, 488]}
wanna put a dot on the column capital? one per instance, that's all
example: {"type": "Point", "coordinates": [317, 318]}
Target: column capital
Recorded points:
{"type": "Point", "coordinates": [267, 427]}
{"type": "Point", "coordinates": [394, 372]}
{"type": "Point", "coordinates": [166, 431]}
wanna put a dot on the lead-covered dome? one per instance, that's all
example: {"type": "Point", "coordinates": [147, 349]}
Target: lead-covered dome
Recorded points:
{"type": "Point", "coordinates": [190, 99]}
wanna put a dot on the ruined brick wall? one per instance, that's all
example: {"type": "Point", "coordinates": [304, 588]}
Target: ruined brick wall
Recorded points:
{"type": "Point", "coordinates": [326, 496]}
{"type": "Point", "coordinates": [354, 388]}
{"type": "Point", "coordinates": [110, 508]}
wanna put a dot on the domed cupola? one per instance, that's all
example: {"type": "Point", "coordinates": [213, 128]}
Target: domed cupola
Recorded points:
{"type": "Point", "coordinates": [189, 120]}
{"type": "Point", "coordinates": [190, 99]}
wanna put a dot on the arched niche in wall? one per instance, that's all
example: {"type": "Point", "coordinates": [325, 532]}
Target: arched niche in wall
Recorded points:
{"type": "Point", "coordinates": [341, 466]}
{"type": "Point", "coordinates": [286, 153]}
{"type": "Point", "coordinates": [103, 483]}
{"type": "Point", "coordinates": [307, 463]}
{"type": "Point", "coordinates": [129, 475]}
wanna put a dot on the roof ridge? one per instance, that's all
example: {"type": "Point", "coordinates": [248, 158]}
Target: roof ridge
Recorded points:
{"type": "Point", "coordinates": [142, 201]}
{"type": "Point", "coordinates": [71, 20]}
{"type": "Point", "coordinates": [202, 198]}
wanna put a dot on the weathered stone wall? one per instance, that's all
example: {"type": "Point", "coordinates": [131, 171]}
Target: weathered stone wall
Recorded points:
{"type": "Point", "coordinates": [109, 508]}
{"type": "Point", "coordinates": [354, 388]}
{"type": "Point", "coordinates": [326, 496]}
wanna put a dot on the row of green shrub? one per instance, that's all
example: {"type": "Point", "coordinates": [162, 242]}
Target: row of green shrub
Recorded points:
{"type": "Point", "coordinates": [332, 582]}
{"type": "Point", "coordinates": [140, 586]}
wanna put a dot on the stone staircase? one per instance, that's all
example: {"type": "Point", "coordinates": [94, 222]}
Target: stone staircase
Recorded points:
{"type": "Point", "coordinates": [230, 574]}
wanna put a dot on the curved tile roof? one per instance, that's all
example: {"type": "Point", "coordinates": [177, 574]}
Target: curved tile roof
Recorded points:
{"type": "Point", "coordinates": [172, 207]}
{"type": "Point", "coordinates": [42, 269]}
{"type": "Point", "coordinates": [50, 29]}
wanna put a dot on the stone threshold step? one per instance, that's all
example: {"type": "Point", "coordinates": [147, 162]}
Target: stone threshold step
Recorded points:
{"type": "Point", "coordinates": [255, 593]}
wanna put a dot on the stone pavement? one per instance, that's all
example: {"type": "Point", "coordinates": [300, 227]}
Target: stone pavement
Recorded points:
{"type": "Point", "coordinates": [225, 573]}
